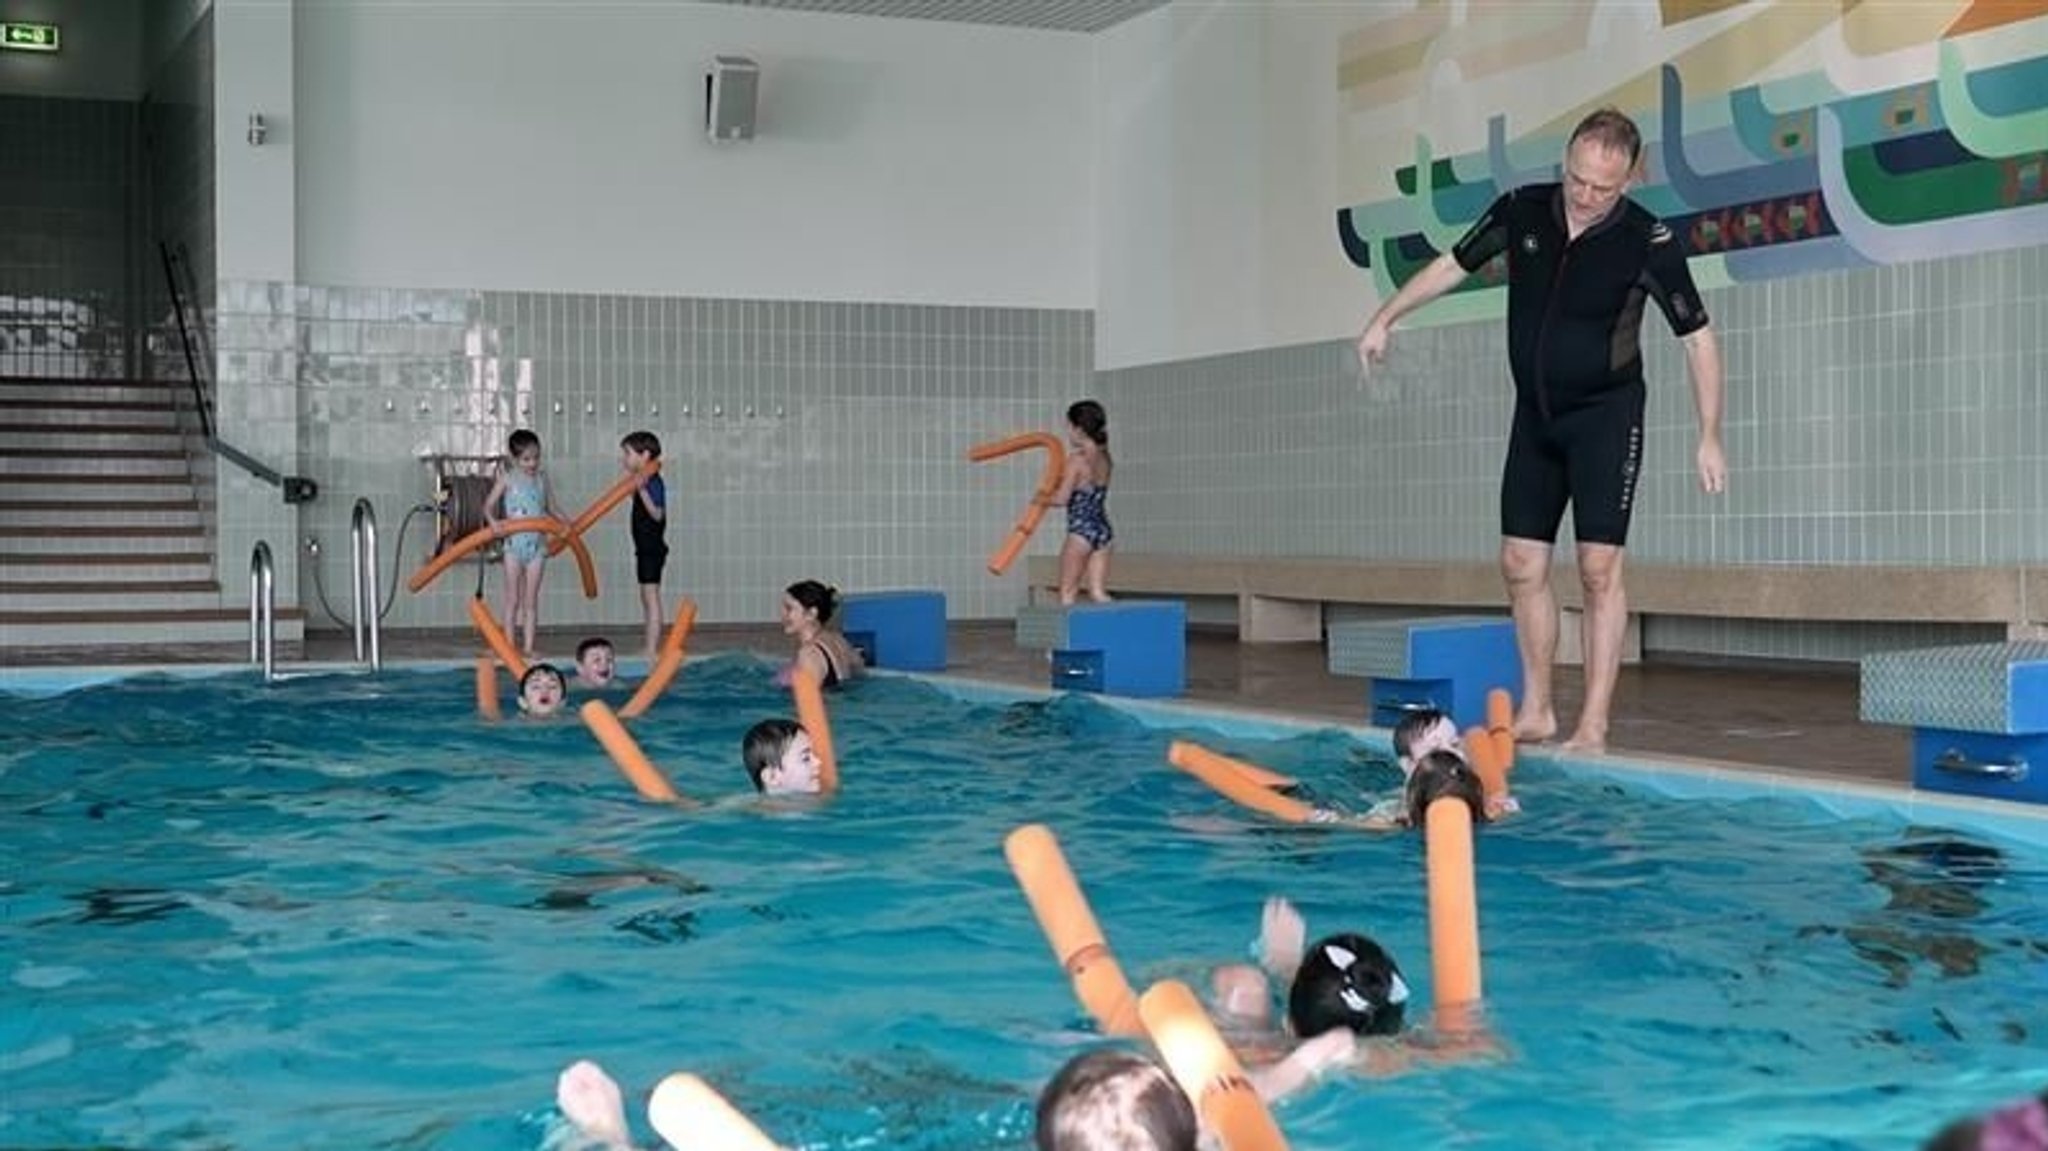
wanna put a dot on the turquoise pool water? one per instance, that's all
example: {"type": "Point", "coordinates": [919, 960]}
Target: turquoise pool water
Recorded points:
{"type": "Point", "coordinates": [341, 912]}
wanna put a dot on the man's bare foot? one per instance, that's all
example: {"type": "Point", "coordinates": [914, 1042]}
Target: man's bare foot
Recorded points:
{"type": "Point", "coordinates": [1535, 726]}
{"type": "Point", "coordinates": [1099, 597]}
{"type": "Point", "coordinates": [1586, 741]}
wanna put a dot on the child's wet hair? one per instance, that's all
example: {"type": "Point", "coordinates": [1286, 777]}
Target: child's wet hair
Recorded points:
{"type": "Point", "coordinates": [763, 747]}
{"type": "Point", "coordinates": [646, 443]}
{"type": "Point", "coordinates": [536, 669]}
{"type": "Point", "coordinates": [1347, 981]}
{"type": "Point", "coordinates": [814, 596]}
{"type": "Point", "coordinates": [1412, 727]}
{"type": "Point", "coordinates": [1091, 419]}
{"type": "Point", "coordinates": [1439, 775]}
{"type": "Point", "coordinates": [587, 646]}
{"type": "Point", "coordinates": [1115, 1100]}
{"type": "Point", "coordinates": [520, 441]}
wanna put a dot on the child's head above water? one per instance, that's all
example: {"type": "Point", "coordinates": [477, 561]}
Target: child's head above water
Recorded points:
{"type": "Point", "coordinates": [596, 662]}
{"type": "Point", "coordinates": [1439, 775]}
{"type": "Point", "coordinates": [1115, 1100]}
{"type": "Point", "coordinates": [542, 689]}
{"type": "Point", "coordinates": [1346, 981]}
{"type": "Point", "coordinates": [780, 759]}
{"type": "Point", "coordinates": [1421, 732]}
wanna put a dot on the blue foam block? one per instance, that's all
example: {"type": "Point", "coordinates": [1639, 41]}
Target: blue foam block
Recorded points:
{"type": "Point", "coordinates": [901, 630]}
{"type": "Point", "coordinates": [1988, 764]}
{"type": "Point", "coordinates": [1132, 647]}
{"type": "Point", "coordinates": [1450, 665]}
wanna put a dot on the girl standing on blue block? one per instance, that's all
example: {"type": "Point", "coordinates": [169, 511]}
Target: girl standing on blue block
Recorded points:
{"type": "Point", "coordinates": [1084, 492]}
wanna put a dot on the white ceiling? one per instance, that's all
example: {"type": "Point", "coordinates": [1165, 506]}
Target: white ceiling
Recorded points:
{"type": "Point", "coordinates": [1056, 15]}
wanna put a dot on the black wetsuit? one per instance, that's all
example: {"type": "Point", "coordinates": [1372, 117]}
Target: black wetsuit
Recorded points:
{"type": "Point", "coordinates": [1575, 318]}
{"type": "Point", "coordinates": [650, 548]}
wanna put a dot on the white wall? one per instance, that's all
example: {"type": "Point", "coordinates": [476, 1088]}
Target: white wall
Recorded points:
{"type": "Point", "coordinates": [101, 57]}
{"type": "Point", "coordinates": [254, 186]}
{"type": "Point", "coordinates": [530, 147]}
{"type": "Point", "coordinates": [1216, 146]}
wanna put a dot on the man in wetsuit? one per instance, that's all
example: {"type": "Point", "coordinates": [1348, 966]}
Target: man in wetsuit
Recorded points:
{"type": "Point", "coordinates": [1582, 260]}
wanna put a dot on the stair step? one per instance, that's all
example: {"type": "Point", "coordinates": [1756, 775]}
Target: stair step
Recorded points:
{"type": "Point", "coordinates": [131, 489]}
{"type": "Point", "coordinates": [66, 462]}
{"type": "Point", "coordinates": [69, 424]}
{"type": "Point", "coordinates": [86, 440]}
{"type": "Point", "coordinates": [140, 629]}
{"type": "Point", "coordinates": [144, 568]}
{"type": "Point", "coordinates": [99, 513]}
{"type": "Point", "coordinates": [22, 414]}
{"type": "Point", "coordinates": [76, 391]}
{"type": "Point", "coordinates": [78, 544]}
{"type": "Point", "coordinates": [190, 595]}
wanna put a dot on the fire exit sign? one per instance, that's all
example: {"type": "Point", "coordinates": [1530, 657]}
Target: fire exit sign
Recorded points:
{"type": "Point", "coordinates": [22, 37]}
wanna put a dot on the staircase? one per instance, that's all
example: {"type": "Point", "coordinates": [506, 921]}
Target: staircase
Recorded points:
{"type": "Point", "coordinates": [103, 542]}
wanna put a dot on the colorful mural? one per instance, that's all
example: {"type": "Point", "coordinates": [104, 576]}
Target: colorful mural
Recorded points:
{"type": "Point", "coordinates": [1781, 137]}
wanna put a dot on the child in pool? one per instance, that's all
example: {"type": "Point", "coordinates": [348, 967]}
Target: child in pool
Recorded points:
{"type": "Point", "coordinates": [1342, 990]}
{"type": "Point", "coordinates": [596, 663]}
{"type": "Point", "coordinates": [542, 690]}
{"type": "Point", "coordinates": [1112, 1099]}
{"type": "Point", "coordinates": [1419, 736]}
{"type": "Point", "coordinates": [780, 759]}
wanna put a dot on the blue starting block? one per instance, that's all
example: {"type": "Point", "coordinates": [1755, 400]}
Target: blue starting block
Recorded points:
{"type": "Point", "coordinates": [903, 630]}
{"type": "Point", "coordinates": [1448, 663]}
{"type": "Point", "coordinates": [1979, 714]}
{"type": "Point", "coordinates": [1131, 647]}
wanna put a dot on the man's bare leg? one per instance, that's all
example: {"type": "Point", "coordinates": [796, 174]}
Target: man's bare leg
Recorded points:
{"type": "Point", "coordinates": [1525, 564]}
{"type": "Point", "coordinates": [1602, 630]}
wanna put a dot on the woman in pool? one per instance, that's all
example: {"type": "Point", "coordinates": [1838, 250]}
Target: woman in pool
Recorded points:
{"type": "Point", "coordinates": [807, 610]}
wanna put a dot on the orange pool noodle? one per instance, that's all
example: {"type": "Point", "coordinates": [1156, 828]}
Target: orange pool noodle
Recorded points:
{"type": "Point", "coordinates": [1482, 750]}
{"type": "Point", "coordinates": [625, 486]}
{"type": "Point", "coordinates": [1070, 927]}
{"type": "Point", "coordinates": [1217, 771]}
{"type": "Point", "coordinates": [666, 664]}
{"type": "Point", "coordinates": [632, 762]}
{"type": "Point", "coordinates": [810, 712]}
{"type": "Point", "coordinates": [487, 688]}
{"type": "Point", "coordinates": [482, 537]}
{"type": "Point", "coordinates": [1453, 905]}
{"type": "Point", "coordinates": [688, 1112]}
{"type": "Point", "coordinates": [1205, 1068]}
{"type": "Point", "coordinates": [1251, 772]}
{"type": "Point", "coordinates": [1048, 483]}
{"type": "Point", "coordinates": [1500, 724]}
{"type": "Point", "coordinates": [495, 638]}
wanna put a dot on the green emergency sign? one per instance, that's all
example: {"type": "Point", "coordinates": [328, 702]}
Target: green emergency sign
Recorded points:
{"type": "Point", "coordinates": [22, 37]}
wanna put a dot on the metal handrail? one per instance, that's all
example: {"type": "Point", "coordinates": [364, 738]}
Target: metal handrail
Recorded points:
{"type": "Point", "coordinates": [263, 611]}
{"type": "Point", "coordinates": [362, 543]}
{"type": "Point", "coordinates": [296, 489]}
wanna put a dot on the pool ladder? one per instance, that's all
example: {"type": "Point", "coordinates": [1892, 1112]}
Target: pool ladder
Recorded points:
{"type": "Point", "coordinates": [362, 551]}
{"type": "Point", "coordinates": [362, 539]}
{"type": "Point", "coordinates": [263, 610]}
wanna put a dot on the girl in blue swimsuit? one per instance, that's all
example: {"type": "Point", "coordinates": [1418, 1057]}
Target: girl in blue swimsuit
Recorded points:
{"type": "Point", "coordinates": [1085, 492]}
{"type": "Point", "coordinates": [522, 489]}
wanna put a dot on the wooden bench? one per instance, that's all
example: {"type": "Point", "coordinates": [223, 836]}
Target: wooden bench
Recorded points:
{"type": "Point", "coordinates": [1281, 599]}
